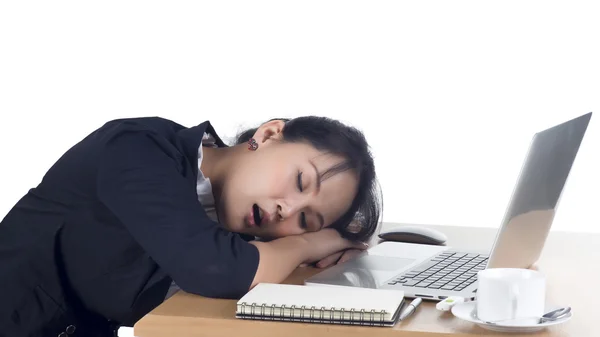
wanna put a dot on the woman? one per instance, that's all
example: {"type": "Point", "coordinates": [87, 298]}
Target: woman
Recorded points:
{"type": "Point", "coordinates": [143, 207]}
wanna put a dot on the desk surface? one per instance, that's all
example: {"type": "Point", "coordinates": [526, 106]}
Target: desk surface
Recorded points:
{"type": "Point", "coordinates": [571, 262]}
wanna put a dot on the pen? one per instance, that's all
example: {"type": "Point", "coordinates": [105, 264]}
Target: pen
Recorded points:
{"type": "Point", "coordinates": [411, 308]}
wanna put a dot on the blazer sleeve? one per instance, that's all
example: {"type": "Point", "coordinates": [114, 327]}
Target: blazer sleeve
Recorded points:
{"type": "Point", "coordinates": [140, 181]}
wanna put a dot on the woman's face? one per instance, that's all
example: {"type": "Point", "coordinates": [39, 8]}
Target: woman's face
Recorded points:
{"type": "Point", "coordinates": [277, 191]}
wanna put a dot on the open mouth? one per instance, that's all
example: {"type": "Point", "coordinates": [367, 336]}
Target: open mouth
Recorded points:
{"type": "Point", "coordinates": [257, 212]}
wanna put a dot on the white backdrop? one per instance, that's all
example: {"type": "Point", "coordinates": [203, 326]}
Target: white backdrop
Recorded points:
{"type": "Point", "coordinates": [447, 92]}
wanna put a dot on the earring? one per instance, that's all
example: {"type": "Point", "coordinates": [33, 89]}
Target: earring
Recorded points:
{"type": "Point", "coordinates": [252, 144]}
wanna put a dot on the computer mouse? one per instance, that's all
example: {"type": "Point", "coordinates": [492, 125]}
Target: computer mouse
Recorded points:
{"type": "Point", "coordinates": [414, 234]}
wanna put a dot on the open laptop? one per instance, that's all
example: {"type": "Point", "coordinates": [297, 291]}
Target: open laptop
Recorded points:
{"type": "Point", "coordinates": [437, 272]}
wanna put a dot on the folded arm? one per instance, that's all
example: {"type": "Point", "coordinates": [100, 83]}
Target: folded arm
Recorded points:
{"type": "Point", "coordinates": [140, 180]}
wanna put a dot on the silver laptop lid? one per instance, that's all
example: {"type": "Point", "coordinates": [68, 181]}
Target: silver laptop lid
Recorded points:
{"type": "Point", "coordinates": [536, 196]}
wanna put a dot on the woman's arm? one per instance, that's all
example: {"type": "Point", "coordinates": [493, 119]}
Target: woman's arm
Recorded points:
{"type": "Point", "coordinates": [279, 258]}
{"type": "Point", "coordinates": [141, 181]}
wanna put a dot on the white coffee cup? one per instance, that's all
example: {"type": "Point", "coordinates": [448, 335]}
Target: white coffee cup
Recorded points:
{"type": "Point", "coordinates": [513, 294]}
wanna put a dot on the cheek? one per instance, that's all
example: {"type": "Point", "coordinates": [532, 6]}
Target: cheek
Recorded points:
{"type": "Point", "coordinates": [257, 181]}
{"type": "Point", "coordinates": [287, 228]}
{"type": "Point", "coordinates": [269, 180]}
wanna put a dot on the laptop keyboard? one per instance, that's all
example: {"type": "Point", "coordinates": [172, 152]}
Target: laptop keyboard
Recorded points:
{"type": "Point", "coordinates": [447, 271]}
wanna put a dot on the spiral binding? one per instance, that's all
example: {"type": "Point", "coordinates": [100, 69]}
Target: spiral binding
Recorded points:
{"type": "Point", "coordinates": [312, 314]}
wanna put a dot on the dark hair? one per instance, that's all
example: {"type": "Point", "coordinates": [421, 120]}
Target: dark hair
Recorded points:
{"type": "Point", "coordinates": [334, 137]}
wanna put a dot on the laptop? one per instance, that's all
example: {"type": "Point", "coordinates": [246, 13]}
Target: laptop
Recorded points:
{"type": "Point", "coordinates": [437, 272]}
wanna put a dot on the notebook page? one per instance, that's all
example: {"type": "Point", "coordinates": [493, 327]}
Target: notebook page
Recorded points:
{"type": "Point", "coordinates": [326, 297]}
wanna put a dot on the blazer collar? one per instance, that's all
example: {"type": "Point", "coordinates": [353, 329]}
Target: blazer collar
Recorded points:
{"type": "Point", "coordinates": [191, 138]}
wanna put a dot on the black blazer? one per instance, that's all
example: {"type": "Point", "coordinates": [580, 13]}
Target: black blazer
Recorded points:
{"type": "Point", "coordinates": [97, 243]}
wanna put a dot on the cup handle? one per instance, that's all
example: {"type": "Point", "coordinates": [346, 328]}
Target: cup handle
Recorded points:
{"type": "Point", "coordinates": [514, 296]}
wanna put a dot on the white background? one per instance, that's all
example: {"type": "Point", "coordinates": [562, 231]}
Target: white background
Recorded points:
{"type": "Point", "coordinates": [448, 93]}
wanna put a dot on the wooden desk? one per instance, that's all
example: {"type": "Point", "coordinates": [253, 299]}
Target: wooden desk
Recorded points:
{"type": "Point", "coordinates": [571, 262]}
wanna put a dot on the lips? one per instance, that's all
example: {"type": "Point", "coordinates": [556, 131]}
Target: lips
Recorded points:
{"type": "Point", "coordinates": [258, 216]}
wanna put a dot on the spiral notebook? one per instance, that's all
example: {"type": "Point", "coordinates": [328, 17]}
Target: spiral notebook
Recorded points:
{"type": "Point", "coordinates": [321, 304]}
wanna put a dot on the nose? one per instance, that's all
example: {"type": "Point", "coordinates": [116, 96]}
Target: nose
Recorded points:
{"type": "Point", "coordinates": [289, 207]}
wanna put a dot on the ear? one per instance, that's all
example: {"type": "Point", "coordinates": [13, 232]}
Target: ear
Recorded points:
{"type": "Point", "coordinates": [271, 130]}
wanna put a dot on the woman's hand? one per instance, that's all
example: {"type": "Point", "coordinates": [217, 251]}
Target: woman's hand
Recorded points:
{"type": "Point", "coordinates": [279, 257]}
{"type": "Point", "coordinates": [327, 247]}
{"type": "Point", "coordinates": [339, 257]}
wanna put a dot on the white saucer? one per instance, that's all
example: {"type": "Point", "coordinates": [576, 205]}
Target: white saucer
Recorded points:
{"type": "Point", "coordinates": [467, 311]}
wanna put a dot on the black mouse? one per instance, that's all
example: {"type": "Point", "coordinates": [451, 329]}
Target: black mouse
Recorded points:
{"type": "Point", "coordinates": [414, 234]}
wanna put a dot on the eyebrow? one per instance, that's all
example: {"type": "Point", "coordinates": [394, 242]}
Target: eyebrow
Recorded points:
{"type": "Point", "coordinates": [318, 183]}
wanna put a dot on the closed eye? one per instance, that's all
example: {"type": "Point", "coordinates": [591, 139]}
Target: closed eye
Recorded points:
{"type": "Point", "coordinates": [302, 214]}
{"type": "Point", "coordinates": [303, 223]}
{"type": "Point", "coordinates": [299, 181]}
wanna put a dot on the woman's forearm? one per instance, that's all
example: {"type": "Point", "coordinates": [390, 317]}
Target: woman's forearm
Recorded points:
{"type": "Point", "coordinates": [279, 258]}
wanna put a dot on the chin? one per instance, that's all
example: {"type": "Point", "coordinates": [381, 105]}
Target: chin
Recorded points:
{"type": "Point", "coordinates": [240, 227]}
{"type": "Point", "coordinates": [237, 228]}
